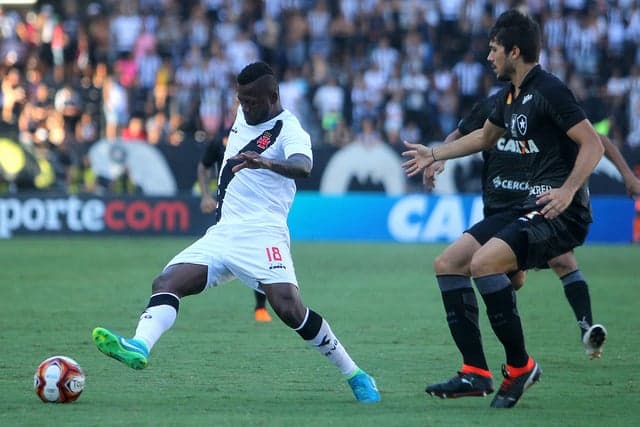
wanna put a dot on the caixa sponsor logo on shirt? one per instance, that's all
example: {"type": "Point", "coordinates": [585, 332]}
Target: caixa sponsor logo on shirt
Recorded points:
{"type": "Point", "coordinates": [27, 215]}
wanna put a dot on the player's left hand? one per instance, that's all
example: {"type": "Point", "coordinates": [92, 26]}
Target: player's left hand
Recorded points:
{"type": "Point", "coordinates": [633, 187]}
{"type": "Point", "coordinates": [555, 201]}
{"type": "Point", "coordinates": [430, 172]}
{"type": "Point", "coordinates": [420, 158]}
{"type": "Point", "coordinates": [250, 160]}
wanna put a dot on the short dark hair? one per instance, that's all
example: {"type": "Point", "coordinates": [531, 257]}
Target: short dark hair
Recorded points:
{"type": "Point", "coordinates": [514, 28]}
{"type": "Point", "coordinates": [253, 72]}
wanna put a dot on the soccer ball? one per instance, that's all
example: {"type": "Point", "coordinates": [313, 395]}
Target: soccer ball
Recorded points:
{"type": "Point", "coordinates": [59, 379]}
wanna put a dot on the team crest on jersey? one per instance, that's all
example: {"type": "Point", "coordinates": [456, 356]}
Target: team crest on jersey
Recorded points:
{"type": "Point", "coordinates": [268, 136]}
{"type": "Point", "coordinates": [522, 124]}
{"type": "Point", "coordinates": [264, 140]}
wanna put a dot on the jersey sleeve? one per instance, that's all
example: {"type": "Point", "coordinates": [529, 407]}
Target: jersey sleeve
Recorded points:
{"type": "Point", "coordinates": [561, 105]}
{"type": "Point", "coordinates": [297, 141]}
{"type": "Point", "coordinates": [497, 114]}
{"type": "Point", "coordinates": [478, 115]}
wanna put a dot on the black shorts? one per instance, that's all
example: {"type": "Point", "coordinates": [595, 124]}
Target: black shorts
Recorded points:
{"type": "Point", "coordinates": [491, 225]}
{"type": "Point", "coordinates": [534, 239]}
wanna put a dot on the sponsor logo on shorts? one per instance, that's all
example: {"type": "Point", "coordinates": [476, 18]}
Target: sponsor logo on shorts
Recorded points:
{"type": "Point", "coordinates": [277, 266]}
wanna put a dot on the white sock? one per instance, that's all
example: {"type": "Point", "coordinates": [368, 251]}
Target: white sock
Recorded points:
{"type": "Point", "coordinates": [154, 322]}
{"type": "Point", "coordinates": [329, 345]}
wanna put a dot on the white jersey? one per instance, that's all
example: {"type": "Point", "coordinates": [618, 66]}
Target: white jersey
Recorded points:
{"type": "Point", "coordinates": [259, 196]}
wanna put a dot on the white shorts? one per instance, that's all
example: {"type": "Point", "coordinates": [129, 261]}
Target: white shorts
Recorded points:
{"type": "Point", "coordinates": [254, 255]}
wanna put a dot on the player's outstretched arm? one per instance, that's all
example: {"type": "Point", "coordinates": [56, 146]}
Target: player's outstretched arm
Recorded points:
{"type": "Point", "coordinates": [611, 152]}
{"type": "Point", "coordinates": [421, 157]}
{"type": "Point", "coordinates": [296, 166]}
{"type": "Point", "coordinates": [437, 167]}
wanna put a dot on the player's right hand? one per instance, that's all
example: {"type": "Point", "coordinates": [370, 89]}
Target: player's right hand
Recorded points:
{"type": "Point", "coordinates": [554, 201]}
{"type": "Point", "coordinates": [208, 204]}
{"type": "Point", "coordinates": [250, 160]}
{"type": "Point", "coordinates": [429, 174]}
{"type": "Point", "coordinates": [421, 157]}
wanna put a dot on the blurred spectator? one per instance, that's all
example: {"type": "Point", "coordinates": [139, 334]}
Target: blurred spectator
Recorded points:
{"type": "Point", "coordinates": [469, 74]}
{"type": "Point", "coordinates": [74, 72]}
{"type": "Point", "coordinates": [125, 27]}
{"type": "Point", "coordinates": [135, 130]}
{"type": "Point", "coordinates": [115, 105]}
{"type": "Point", "coordinates": [329, 102]}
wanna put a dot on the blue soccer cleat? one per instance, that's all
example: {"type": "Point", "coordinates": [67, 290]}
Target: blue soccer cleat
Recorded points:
{"type": "Point", "coordinates": [364, 387]}
{"type": "Point", "coordinates": [131, 352]}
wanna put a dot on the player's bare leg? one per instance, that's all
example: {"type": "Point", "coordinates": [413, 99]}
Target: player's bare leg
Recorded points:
{"type": "Point", "coordinates": [285, 300]}
{"type": "Point", "coordinates": [455, 259]}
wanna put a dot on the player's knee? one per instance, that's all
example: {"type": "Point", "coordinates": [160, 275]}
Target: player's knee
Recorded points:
{"type": "Point", "coordinates": [286, 303]}
{"type": "Point", "coordinates": [562, 266]}
{"type": "Point", "coordinates": [288, 313]}
{"type": "Point", "coordinates": [480, 266]}
{"type": "Point", "coordinates": [439, 264]}
{"type": "Point", "coordinates": [162, 284]}
{"type": "Point", "coordinates": [444, 264]}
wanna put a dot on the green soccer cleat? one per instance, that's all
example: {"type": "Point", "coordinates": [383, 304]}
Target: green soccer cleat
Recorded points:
{"type": "Point", "coordinates": [131, 352]}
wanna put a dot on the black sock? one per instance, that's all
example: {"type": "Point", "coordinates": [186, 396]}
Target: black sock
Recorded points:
{"type": "Point", "coordinates": [461, 307]}
{"type": "Point", "coordinates": [261, 300]}
{"type": "Point", "coordinates": [500, 299]}
{"type": "Point", "coordinates": [577, 293]}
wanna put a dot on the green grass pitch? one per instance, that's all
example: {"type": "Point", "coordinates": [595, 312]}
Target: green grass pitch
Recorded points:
{"type": "Point", "coordinates": [217, 367]}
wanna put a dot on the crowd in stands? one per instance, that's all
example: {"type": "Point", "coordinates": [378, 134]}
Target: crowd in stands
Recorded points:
{"type": "Point", "coordinates": [366, 71]}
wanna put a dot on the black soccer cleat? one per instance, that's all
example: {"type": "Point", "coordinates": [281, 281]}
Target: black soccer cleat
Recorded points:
{"type": "Point", "coordinates": [513, 388]}
{"type": "Point", "coordinates": [462, 385]}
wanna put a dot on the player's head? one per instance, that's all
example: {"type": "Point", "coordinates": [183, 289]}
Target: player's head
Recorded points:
{"type": "Point", "coordinates": [513, 39]}
{"type": "Point", "coordinates": [258, 93]}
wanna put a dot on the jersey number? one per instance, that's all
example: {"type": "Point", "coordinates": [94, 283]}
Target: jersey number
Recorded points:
{"type": "Point", "coordinates": [273, 254]}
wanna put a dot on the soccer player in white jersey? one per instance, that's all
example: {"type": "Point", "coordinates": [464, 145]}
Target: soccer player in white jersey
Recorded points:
{"type": "Point", "coordinates": [266, 150]}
